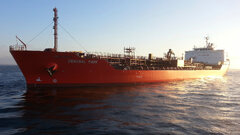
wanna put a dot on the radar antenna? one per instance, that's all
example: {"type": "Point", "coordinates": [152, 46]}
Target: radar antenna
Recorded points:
{"type": "Point", "coordinates": [207, 38]}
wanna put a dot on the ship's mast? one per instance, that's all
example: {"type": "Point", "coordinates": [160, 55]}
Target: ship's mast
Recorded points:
{"type": "Point", "coordinates": [55, 19]}
{"type": "Point", "coordinates": [207, 38]}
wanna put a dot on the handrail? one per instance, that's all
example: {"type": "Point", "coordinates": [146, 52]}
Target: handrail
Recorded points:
{"type": "Point", "coordinates": [17, 48]}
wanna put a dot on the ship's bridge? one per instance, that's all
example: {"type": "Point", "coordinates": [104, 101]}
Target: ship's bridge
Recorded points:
{"type": "Point", "coordinates": [206, 55]}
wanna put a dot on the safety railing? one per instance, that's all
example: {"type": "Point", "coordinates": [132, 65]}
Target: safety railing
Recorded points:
{"type": "Point", "coordinates": [17, 48]}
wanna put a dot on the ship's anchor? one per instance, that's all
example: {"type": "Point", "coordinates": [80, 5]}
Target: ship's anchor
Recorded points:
{"type": "Point", "coordinates": [51, 69]}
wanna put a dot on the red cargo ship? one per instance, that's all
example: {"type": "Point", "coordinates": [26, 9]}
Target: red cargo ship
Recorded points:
{"type": "Point", "coordinates": [53, 68]}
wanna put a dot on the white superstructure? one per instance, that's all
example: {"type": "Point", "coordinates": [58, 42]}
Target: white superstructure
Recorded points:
{"type": "Point", "coordinates": [206, 55]}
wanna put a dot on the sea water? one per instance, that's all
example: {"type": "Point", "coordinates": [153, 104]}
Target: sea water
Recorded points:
{"type": "Point", "coordinates": [199, 106]}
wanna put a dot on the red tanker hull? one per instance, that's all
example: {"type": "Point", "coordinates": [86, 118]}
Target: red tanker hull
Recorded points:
{"type": "Point", "coordinates": [72, 70]}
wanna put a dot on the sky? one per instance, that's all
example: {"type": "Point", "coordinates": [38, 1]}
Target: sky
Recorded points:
{"type": "Point", "coordinates": [151, 26]}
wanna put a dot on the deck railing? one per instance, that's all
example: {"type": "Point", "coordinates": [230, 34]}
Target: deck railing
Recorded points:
{"type": "Point", "coordinates": [17, 48]}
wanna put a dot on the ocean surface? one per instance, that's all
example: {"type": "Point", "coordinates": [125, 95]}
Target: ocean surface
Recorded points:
{"type": "Point", "coordinates": [199, 106]}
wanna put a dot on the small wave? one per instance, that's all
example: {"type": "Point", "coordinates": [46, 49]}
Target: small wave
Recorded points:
{"type": "Point", "coordinates": [198, 106]}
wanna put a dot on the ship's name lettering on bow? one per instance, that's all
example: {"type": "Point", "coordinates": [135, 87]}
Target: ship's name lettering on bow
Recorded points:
{"type": "Point", "coordinates": [76, 61]}
{"type": "Point", "coordinates": [83, 61]}
{"type": "Point", "coordinates": [92, 61]}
